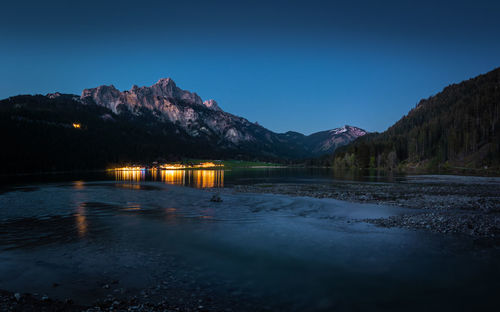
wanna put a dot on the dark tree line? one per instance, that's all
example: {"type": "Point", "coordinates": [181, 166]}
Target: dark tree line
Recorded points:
{"type": "Point", "coordinates": [37, 134]}
{"type": "Point", "coordinates": [458, 127]}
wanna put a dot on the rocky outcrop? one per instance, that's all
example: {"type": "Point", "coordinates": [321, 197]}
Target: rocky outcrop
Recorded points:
{"type": "Point", "coordinates": [169, 103]}
{"type": "Point", "coordinates": [212, 104]}
{"type": "Point", "coordinates": [159, 96]}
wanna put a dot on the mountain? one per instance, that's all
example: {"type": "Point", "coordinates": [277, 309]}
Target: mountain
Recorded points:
{"type": "Point", "coordinates": [327, 141]}
{"type": "Point", "coordinates": [206, 119]}
{"type": "Point", "coordinates": [455, 129]}
{"type": "Point", "coordinates": [185, 109]}
{"type": "Point", "coordinates": [140, 125]}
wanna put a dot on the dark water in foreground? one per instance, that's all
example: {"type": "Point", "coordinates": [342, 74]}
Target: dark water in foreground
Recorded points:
{"type": "Point", "coordinates": [149, 237]}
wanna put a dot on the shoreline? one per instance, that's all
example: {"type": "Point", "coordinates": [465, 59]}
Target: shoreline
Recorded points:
{"type": "Point", "coordinates": [27, 302]}
{"type": "Point", "coordinates": [465, 172]}
{"type": "Point", "coordinates": [468, 209]}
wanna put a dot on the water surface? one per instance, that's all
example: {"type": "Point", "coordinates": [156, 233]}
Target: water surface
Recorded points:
{"type": "Point", "coordinates": [151, 237]}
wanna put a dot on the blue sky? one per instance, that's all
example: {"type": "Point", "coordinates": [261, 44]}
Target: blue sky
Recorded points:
{"type": "Point", "coordinates": [305, 66]}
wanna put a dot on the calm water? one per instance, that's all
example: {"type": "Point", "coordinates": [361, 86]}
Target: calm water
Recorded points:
{"type": "Point", "coordinates": [145, 233]}
{"type": "Point", "coordinates": [210, 178]}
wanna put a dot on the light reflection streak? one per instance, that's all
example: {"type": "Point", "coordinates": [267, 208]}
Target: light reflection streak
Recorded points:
{"type": "Point", "coordinates": [171, 215]}
{"type": "Point", "coordinates": [202, 178]}
{"type": "Point", "coordinates": [132, 207]}
{"type": "Point", "coordinates": [130, 175]}
{"type": "Point", "coordinates": [79, 185]}
{"type": "Point", "coordinates": [173, 176]}
{"type": "Point", "coordinates": [81, 221]}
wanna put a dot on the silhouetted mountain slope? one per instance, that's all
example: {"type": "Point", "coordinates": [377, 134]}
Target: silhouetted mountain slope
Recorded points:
{"type": "Point", "coordinates": [38, 134]}
{"type": "Point", "coordinates": [458, 127]}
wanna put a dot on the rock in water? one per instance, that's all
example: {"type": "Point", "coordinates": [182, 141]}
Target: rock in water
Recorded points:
{"type": "Point", "coordinates": [216, 198]}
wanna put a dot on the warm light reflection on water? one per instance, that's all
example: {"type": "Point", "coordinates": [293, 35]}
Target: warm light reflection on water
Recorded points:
{"type": "Point", "coordinates": [130, 175]}
{"type": "Point", "coordinates": [173, 176]}
{"type": "Point", "coordinates": [132, 207]}
{"type": "Point", "coordinates": [79, 185]}
{"type": "Point", "coordinates": [196, 178]}
{"type": "Point", "coordinates": [81, 221]}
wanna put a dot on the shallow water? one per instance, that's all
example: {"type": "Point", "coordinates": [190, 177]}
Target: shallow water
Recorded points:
{"type": "Point", "coordinates": [249, 252]}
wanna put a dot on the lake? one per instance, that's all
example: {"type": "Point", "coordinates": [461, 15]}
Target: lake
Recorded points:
{"type": "Point", "coordinates": [157, 236]}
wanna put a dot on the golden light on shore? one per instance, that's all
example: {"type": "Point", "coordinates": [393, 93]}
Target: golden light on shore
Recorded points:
{"type": "Point", "coordinates": [172, 166]}
{"type": "Point", "coordinates": [179, 166]}
{"type": "Point", "coordinates": [183, 166]}
{"type": "Point", "coordinates": [133, 168]}
{"type": "Point", "coordinates": [208, 165]}
{"type": "Point", "coordinates": [76, 125]}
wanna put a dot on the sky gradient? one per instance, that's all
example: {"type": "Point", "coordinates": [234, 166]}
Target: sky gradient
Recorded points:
{"type": "Point", "coordinates": [304, 66]}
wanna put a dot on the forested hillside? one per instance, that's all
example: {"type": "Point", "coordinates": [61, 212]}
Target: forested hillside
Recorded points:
{"type": "Point", "coordinates": [456, 128]}
{"type": "Point", "coordinates": [38, 134]}
{"type": "Point", "coordinates": [60, 132]}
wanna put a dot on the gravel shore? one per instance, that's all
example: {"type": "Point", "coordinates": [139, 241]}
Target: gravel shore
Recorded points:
{"type": "Point", "coordinates": [465, 208]}
{"type": "Point", "coordinates": [17, 302]}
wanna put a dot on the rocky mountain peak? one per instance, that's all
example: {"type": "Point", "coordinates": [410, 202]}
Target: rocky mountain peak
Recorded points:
{"type": "Point", "coordinates": [205, 119]}
{"type": "Point", "coordinates": [355, 130]}
{"type": "Point", "coordinates": [158, 96]}
{"type": "Point", "coordinates": [166, 85]}
{"type": "Point", "coordinates": [349, 130]}
{"type": "Point", "coordinates": [212, 104]}
{"type": "Point", "coordinates": [165, 81]}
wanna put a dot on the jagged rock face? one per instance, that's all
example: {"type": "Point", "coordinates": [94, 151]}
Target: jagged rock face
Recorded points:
{"type": "Point", "coordinates": [159, 96]}
{"type": "Point", "coordinates": [173, 104]}
{"type": "Point", "coordinates": [212, 104]}
{"type": "Point", "coordinates": [207, 120]}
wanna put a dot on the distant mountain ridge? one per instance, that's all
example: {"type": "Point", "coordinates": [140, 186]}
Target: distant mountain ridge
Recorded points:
{"type": "Point", "coordinates": [206, 119]}
{"type": "Point", "coordinates": [143, 124]}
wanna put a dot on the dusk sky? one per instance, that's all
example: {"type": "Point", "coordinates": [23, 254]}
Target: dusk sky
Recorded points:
{"type": "Point", "coordinates": [305, 66]}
